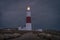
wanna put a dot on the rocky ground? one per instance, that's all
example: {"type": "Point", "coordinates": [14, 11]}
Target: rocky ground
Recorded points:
{"type": "Point", "coordinates": [32, 35]}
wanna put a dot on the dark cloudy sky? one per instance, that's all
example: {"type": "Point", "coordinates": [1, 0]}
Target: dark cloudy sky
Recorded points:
{"type": "Point", "coordinates": [45, 13]}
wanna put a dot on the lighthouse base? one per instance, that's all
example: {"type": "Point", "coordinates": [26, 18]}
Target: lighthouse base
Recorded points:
{"type": "Point", "coordinates": [28, 26]}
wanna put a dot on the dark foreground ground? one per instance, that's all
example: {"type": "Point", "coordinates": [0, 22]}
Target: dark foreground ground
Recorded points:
{"type": "Point", "coordinates": [29, 35]}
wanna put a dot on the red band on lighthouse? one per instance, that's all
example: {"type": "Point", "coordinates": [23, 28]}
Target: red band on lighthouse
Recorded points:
{"type": "Point", "coordinates": [28, 20]}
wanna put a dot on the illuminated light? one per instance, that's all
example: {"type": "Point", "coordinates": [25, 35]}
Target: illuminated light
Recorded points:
{"type": "Point", "coordinates": [28, 8]}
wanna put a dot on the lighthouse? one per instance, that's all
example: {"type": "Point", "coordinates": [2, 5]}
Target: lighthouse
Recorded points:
{"type": "Point", "coordinates": [28, 18]}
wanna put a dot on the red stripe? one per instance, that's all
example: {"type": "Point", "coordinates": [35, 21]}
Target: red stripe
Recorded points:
{"type": "Point", "coordinates": [28, 19]}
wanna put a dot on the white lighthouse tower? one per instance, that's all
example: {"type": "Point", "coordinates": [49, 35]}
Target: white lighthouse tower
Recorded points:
{"type": "Point", "coordinates": [28, 19]}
